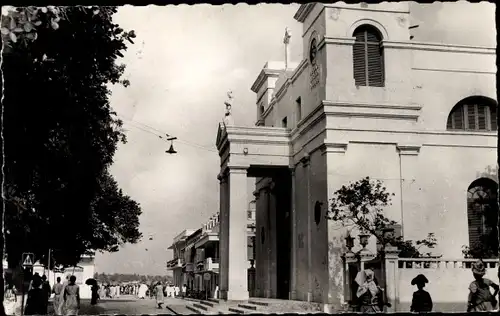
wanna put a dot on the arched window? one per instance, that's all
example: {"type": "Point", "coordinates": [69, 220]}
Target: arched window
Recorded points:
{"type": "Point", "coordinates": [368, 57]}
{"type": "Point", "coordinates": [473, 114]}
{"type": "Point", "coordinates": [482, 214]}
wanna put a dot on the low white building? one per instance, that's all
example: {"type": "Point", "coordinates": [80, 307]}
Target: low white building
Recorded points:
{"type": "Point", "coordinates": [84, 270]}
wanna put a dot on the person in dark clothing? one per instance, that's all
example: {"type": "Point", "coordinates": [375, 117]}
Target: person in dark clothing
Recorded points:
{"type": "Point", "coordinates": [46, 289]}
{"type": "Point", "coordinates": [94, 289]}
{"type": "Point", "coordinates": [422, 301]}
{"type": "Point", "coordinates": [35, 305]}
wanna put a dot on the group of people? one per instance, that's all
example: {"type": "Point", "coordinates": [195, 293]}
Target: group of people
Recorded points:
{"type": "Point", "coordinates": [161, 290]}
{"type": "Point", "coordinates": [66, 296]}
{"type": "Point", "coordinates": [370, 297]}
{"type": "Point", "coordinates": [109, 291]}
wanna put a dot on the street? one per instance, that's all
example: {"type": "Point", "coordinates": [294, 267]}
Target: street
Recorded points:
{"type": "Point", "coordinates": [129, 305]}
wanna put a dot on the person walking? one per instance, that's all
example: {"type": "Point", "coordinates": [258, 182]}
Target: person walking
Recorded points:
{"type": "Point", "coordinates": [369, 294]}
{"type": "Point", "coordinates": [480, 298]}
{"type": "Point", "coordinates": [422, 301]}
{"type": "Point", "coordinates": [46, 291]}
{"type": "Point", "coordinates": [160, 299]}
{"type": "Point", "coordinates": [10, 298]}
{"type": "Point", "coordinates": [94, 289]}
{"type": "Point", "coordinates": [35, 304]}
{"type": "Point", "coordinates": [57, 289]}
{"type": "Point", "coordinates": [72, 297]}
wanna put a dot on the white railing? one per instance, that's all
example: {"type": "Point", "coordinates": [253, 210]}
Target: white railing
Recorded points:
{"type": "Point", "coordinates": [449, 280]}
{"type": "Point", "coordinates": [440, 263]}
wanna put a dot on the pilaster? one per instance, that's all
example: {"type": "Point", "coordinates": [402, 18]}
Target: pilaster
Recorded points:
{"type": "Point", "coordinates": [306, 161]}
{"type": "Point", "coordinates": [293, 278]}
{"type": "Point", "coordinates": [408, 159]}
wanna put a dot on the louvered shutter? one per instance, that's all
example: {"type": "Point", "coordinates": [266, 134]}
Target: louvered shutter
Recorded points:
{"type": "Point", "coordinates": [471, 117]}
{"type": "Point", "coordinates": [475, 221]}
{"type": "Point", "coordinates": [493, 117]}
{"type": "Point", "coordinates": [481, 117]}
{"type": "Point", "coordinates": [374, 58]}
{"type": "Point", "coordinates": [456, 119]}
{"type": "Point", "coordinates": [359, 59]}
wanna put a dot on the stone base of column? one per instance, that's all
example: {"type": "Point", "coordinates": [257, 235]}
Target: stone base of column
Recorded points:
{"type": "Point", "coordinates": [268, 293]}
{"type": "Point", "coordinates": [292, 295]}
{"type": "Point", "coordinates": [238, 295]}
{"type": "Point", "coordinates": [309, 297]}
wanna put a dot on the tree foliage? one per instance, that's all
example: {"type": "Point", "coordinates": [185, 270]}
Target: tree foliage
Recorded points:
{"type": "Point", "coordinates": [61, 134]}
{"type": "Point", "coordinates": [361, 205]}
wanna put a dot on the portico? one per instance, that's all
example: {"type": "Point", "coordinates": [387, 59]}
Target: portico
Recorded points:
{"type": "Point", "coordinates": [245, 152]}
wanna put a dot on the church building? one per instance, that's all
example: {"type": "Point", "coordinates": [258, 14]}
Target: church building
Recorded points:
{"type": "Point", "coordinates": [366, 100]}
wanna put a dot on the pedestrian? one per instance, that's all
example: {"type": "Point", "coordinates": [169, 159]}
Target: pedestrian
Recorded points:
{"type": "Point", "coordinates": [160, 300]}
{"type": "Point", "coordinates": [10, 298]}
{"type": "Point", "coordinates": [46, 290]}
{"type": "Point", "coordinates": [72, 297]}
{"type": "Point", "coordinates": [35, 304]}
{"type": "Point", "coordinates": [57, 289]}
{"type": "Point", "coordinates": [184, 289]}
{"type": "Point", "coordinates": [94, 289]}
{"type": "Point", "coordinates": [369, 294]}
{"type": "Point", "coordinates": [142, 291]}
{"type": "Point", "coordinates": [422, 301]}
{"type": "Point", "coordinates": [480, 298]}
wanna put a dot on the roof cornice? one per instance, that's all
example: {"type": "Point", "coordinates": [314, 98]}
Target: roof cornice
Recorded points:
{"type": "Point", "coordinates": [304, 11]}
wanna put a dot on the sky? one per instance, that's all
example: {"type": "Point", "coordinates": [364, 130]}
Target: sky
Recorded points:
{"type": "Point", "coordinates": [184, 61]}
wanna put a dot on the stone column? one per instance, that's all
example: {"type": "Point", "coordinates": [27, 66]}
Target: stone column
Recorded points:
{"type": "Point", "coordinates": [391, 278]}
{"type": "Point", "coordinates": [236, 254]}
{"type": "Point", "coordinates": [293, 278]}
{"type": "Point", "coordinates": [223, 237]}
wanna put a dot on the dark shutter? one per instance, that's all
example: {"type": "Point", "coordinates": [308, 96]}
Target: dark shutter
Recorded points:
{"type": "Point", "coordinates": [471, 116]}
{"type": "Point", "coordinates": [493, 117]}
{"type": "Point", "coordinates": [475, 220]}
{"type": "Point", "coordinates": [481, 117]}
{"type": "Point", "coordinates": [456, 119]}
{"type": "Point", "coordinates": [368, 64]}
{"type": "Point", "coordinates": [375, 71]}
{"type": "Point", "coordinates": [359, 64]}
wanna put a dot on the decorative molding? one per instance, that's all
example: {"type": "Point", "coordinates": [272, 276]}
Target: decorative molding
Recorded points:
{"type": "Point", "coordinates": [367, 21]}
{"type": "Point", "coordinates": [382, 111]}
{"type": "Point", "coordinates": [262, 77]}
{"type": "Point", "coordinates": [304, 11]}
{"type": "Point", "coordinates": [237, 169]}
{"type": "Point", "coordinates": [306, 160]}
{"type": "Point", "coordinates": [408, 150]}
{"type": "Point", "coordinates": [456, 71]}
{"type": "Point", "coordinates": [336, 41]}
{"type": "Point", "coordinates": [438, 47]}
{"type": "Point", "coordinates": [340, 148]}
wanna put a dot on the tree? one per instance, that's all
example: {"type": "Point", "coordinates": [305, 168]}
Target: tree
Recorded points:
{"type": "Point", "coordinates": [61, 134]}
{"type": "Point", "coordinates": [361, 205]}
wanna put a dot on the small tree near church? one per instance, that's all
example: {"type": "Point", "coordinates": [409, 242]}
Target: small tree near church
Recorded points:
{"type": "Point", "coordinates": [361, 205]}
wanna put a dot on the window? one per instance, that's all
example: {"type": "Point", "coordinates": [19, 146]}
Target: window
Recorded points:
{"type": "Point", "coordinates": [284, 122]}
{"type": "Point", "coordinates": [261, 109]}
{"type": "Point", "coordinates": [474, 114]}
{"type": "Point", "coordinates": [299, 109]}
{"type": "Point", "coordinates": [368, 57]}
{"type": "Point", "coordinates": [482, 214]}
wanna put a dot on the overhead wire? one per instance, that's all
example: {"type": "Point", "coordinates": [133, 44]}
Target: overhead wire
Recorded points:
{"type": "Point", "coordinates": [161, 134]}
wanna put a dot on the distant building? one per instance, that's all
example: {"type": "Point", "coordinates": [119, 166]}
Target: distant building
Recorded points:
{"type": "Point", "coordinates": [84, 270]}
{"type": "Point", "coordinates": [196, 255]}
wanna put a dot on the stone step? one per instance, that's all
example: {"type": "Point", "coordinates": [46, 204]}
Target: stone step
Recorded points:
{"type": "Point", "coordinates": [193, 309]}
{"type": "Point", "coordinates": [200, 306]}
{"type": "Point", "coordinates": [213, 300]}
{"type": "Point", "coordinates": [236, 310]}
{"type": "Point", "coordinates": [258, 303]}
{"type": "Point", "coordinates": [207, 303]}
{"type": "Point", "coordinates": [246, 306]}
